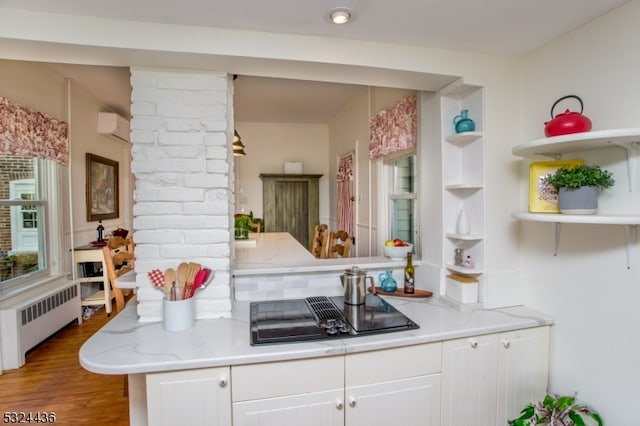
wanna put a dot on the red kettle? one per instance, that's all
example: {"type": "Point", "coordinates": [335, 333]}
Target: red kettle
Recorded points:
{"type": "Point", "coordinates": [567, 122]}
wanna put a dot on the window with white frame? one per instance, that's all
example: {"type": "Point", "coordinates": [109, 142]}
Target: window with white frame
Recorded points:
{"type": "Point", "coordinates": [402, 197]}
{"type": "Point", "coordinates": [25, 187]}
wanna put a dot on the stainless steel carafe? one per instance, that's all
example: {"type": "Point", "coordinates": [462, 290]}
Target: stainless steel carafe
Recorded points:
{"type": "Point", "coordinates": [354, 281]}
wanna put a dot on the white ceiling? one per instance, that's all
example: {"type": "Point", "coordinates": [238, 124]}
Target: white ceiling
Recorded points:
{"type": "Point", "coordinates": [504, 27]}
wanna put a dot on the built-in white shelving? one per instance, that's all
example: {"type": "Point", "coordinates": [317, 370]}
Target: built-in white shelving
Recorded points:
{"type": "Point", "coordinates": [463, 179]}
{"type": "Point", "coordinates": [555, 147]}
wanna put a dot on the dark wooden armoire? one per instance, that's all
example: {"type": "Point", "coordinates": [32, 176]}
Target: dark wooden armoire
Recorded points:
{"type": "Point", "coordinates": [291, 203]}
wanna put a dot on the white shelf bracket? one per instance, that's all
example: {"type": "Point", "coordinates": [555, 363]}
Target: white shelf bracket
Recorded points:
{"type": "Point", "coordinates": [556, 241]}
{"type": "Point", "coordinates": [630, 235]}
{"type": "Point", "coordinates": [633, 152]}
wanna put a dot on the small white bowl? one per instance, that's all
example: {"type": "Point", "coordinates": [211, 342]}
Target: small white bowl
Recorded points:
{"type": "Point", "coordinates": [397, 253]}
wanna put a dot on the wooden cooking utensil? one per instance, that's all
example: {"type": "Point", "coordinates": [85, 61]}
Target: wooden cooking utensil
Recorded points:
{"type": "Point", "coordinates": [191, 274]}
{"type": "Point", "coordinates": [169, 281]}
{"type": "Point", "coordinates": [183, 269]}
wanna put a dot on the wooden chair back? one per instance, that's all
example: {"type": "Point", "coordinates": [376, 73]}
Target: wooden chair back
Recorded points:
{"type": "Point", "coordinates": [118, 261]}
{"type": "Point", "coordinates": [339, 244]}
{"type": "Point", "coordinates": [320, 240]}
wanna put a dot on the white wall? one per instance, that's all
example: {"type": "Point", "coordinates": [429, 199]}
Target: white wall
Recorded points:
{"type": "Point", "coordinates": [587, 287]}
{"type": "Point", "coordinates": [268, 146]}
{"type": "Point", "coordinates": [37, 86]}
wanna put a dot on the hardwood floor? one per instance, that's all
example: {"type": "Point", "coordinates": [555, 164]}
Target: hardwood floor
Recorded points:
{"type": "Point", "coordinates": [52, 380]}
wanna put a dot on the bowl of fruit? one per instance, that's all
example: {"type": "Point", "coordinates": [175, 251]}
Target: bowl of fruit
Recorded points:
{"type": "Point", "coordinates": [397, 249]}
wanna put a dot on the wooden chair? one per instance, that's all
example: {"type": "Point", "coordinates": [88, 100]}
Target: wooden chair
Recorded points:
{"type": "Point", "coordinates": [118, 260]}
{"type": "Point", "coordinates": [339, 244]}
{"type": "Point", "coordinates": [320, 240]}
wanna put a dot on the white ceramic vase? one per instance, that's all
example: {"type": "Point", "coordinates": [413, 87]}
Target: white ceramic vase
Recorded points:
{"type": "Point", "coordinates": [462, 226]}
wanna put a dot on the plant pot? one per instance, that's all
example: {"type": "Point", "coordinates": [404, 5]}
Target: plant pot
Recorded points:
{"type": "Point", "coordinates": [241, 233]}
{"type": "Point", "coordinates": [582, 200]}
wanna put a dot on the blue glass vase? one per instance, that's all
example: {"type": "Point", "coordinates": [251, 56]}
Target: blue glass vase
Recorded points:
{"type": "Point", "coordinates": [463, 123]}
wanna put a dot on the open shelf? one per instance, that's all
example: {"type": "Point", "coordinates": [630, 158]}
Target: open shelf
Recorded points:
{"type": "Point", "coordinates": [630, 223]}
{"type": "Point", "coordinates": [555, 146]}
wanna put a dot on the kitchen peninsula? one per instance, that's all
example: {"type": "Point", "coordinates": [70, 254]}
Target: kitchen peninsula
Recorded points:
{"type": "Point", "coordinates": [275, 265]}
{"type": "Point", "coordinates": [214, 375]}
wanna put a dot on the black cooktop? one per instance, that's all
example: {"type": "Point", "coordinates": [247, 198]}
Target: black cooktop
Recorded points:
{"type": "Point", "coordinates": [320, 317]}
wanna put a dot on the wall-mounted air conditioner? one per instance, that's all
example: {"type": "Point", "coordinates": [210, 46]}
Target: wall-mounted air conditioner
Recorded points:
{"type": "Point", "coordinates": [110, 123]}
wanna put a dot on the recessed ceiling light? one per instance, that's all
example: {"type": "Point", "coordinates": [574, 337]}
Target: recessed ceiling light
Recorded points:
{"type": "Point", "coordinates": [340, 15]}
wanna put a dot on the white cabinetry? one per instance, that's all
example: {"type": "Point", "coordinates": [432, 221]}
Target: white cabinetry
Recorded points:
{"type": "Point", "coordinates": [555, 147]}
{"type": "Point", "coordinates": [489, 379]}
{"type": "Point", "coordinates": [394, 386]}
{"type": "Point", "coordinates": [463, 178]}
{"type": "Point", "coordinates": [301, 392]}
{"type": "Point", "coordinates": [193, 397]}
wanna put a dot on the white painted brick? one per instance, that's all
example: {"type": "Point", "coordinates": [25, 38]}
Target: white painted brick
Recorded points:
{"type": "Point", "coordinates": [153, 208]}
{"type": "Point", "coordinates": [167, 236]}
{"type": "Point", "coordinates": [211, 97]}
{"type": "Point", "coordinates": [142, 77]}
{"type": "Point", "coordinates": [191, 81]}
{"type": "Point", "coordinates": [184, 125]}
{"type": "Point", "coordinates": [147, 251]}
{"type": "Point", "coordinates": [174, 194]}
{"type": "Point", "coordinates": [142, 166]}
{"type": "Point", "coordinates": [218, 125]}
{"type": "Point", "coordinates": [217, 152]}
{"type": "Point", "coordinates": [207, 236]}
{"type": "Point", "coordinates": [217, 139]}
{"type": "Point", "coordinates": [215, 292]}
{"type": "Point", "coordinates": [184, 252]}
{"type": "Point", "coordinates": [218, 195]}
{"type": "Point", "coordinates": [185, 151]}
{"type": "Point", "coordinates": [143, 108]}
{"type": "Point", "coordinates": [211, 180]}
{"type": "Point", "coordinates": [142, 136]}
{"type": "Point", "coordinates": [214, 208]}
{"type": "Point", "coordinates": [181, 138]}
{"type": "Point", "coordinates": [183, 111]}
{"type": "Point", "coordinates": [147, 123]}
{"type": "Point", "coordinates": [217, 166]}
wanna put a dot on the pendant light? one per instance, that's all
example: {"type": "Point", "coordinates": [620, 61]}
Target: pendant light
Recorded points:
{"type": "Point", "coordinates": [238, 146]}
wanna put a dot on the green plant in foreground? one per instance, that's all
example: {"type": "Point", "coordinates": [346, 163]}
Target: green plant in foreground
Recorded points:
{"type": "Point", "coordinates": [577, 176]}
{"type": "Point", "coordinates": [557, 410]}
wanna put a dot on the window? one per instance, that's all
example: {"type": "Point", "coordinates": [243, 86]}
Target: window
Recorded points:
{"type": "Point", "coordinates": [403, 198]}
{"type": "Point", "coordinates": [23, 220]}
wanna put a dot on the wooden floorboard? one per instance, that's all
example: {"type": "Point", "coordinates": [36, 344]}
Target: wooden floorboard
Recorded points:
{"type": "Point", "coordinates": [52, 380]}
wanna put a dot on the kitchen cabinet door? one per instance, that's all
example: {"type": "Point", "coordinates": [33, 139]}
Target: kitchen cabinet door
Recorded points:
{"type": "Point", "coordinates": [399, 386]}
{"type": "Point", "coordinates": [469, 381]}
{"type": "Point", "coordinates": [407, 402]}
{"type": "Point", "coordinates": [523, 370]}
{"type": "Point", "coordinates": [309, 409]}
{"type": "Point", "coordinates": [192, 397]}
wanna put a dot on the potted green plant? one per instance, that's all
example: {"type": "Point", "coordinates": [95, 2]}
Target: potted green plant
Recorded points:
{"type": "Point", "coordinates": [577, 187]}
{"type": "Point", "coordinates": [555, 410]}
{"type": "Point", "coordinates": [242, 225]}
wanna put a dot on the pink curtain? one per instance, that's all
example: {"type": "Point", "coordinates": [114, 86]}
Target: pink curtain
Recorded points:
{"type": "Point", "coordinates": [394, 129]}
{"type": "Point", "coordinates": [32, 133]}
{"type": "Point", "coordinates": [345, 194]}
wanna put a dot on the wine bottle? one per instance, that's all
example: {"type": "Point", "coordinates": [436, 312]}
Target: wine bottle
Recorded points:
{"type": "Point", "coordinates": [409, 273]}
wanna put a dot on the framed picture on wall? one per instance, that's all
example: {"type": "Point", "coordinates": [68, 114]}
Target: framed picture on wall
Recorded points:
{"type": "Point", "coordinates": [102, 188]}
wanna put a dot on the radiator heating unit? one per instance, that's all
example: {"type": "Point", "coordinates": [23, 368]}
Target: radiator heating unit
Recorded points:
{"type": "Point", "coordinates": [26, 323]}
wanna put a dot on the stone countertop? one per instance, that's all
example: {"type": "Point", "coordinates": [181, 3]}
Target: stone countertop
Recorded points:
{"type": "Point", "coordinates": [279, 252]}
{"type": "Point", "coordinates": [126, 346]}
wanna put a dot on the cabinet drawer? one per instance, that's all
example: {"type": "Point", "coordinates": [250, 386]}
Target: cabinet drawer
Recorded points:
{"type": "Point", "coordinates": [269, 380]}
{"type": "Point", "coordinates": [393, 364]}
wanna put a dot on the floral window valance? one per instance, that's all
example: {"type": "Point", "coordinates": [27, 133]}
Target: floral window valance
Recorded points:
{"type": "Point", "coordinates": [32, 133]}
{"type": "Point", "coordinates": [394, 129]}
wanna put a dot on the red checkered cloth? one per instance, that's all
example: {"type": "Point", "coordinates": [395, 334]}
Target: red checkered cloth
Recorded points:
{"type": "Point", "coordinates": [156, 276]}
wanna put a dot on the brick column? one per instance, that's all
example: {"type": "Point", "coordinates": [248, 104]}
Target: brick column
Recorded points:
{"type": "Point", "coordinates": [182, 162]}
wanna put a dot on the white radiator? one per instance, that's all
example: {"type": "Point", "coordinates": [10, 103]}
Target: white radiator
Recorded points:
{"type": "Point", "coordinates": [25, 324]}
